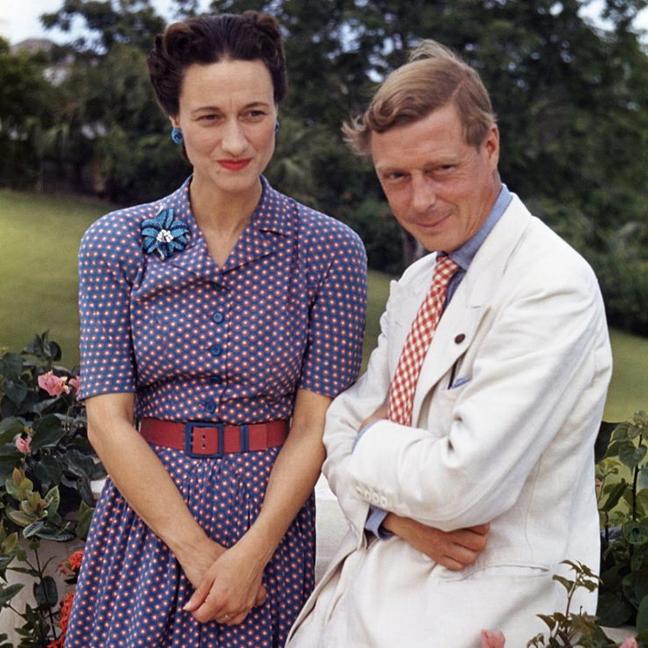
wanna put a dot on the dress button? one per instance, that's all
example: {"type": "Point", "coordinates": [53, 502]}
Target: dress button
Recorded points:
{"type": "Point", "coordinates": [215, 380]}
{"type": "Point", "coordinates": [216, 350]}
{"type": "Point", "coordinates": [218, 317]}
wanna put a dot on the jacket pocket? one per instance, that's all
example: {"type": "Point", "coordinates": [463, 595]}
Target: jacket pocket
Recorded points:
{"type": "Point", "coordinates": [506, 570]}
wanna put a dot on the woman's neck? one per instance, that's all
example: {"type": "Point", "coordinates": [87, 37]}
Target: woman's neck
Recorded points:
{"type": "Point", "coordinates": [222, 213]}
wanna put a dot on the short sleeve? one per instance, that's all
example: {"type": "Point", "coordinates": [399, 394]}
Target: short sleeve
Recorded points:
{"type": "Point", "coordinates": [107, 361]}
{"type": "Point", "coordinates": [337, 319]}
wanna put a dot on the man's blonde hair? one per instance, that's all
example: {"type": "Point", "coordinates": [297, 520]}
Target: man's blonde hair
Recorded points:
{"type": "Point", "coordinates": [433, 77]}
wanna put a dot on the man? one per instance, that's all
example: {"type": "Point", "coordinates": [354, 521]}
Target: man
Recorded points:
{"type": "Point", "coordinates": [480, 405]}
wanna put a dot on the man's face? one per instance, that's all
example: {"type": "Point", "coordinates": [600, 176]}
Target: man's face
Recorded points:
{"type": "Point", "coordinates": [440, 188]}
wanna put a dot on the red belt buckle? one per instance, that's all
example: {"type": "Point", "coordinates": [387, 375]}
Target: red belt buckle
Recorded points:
{"type": "Point", "coordinates": [198, 443]}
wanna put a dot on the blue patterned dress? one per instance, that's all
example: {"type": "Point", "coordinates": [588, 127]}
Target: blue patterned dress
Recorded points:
{"type": "Point", "coordinates": [195, 341]}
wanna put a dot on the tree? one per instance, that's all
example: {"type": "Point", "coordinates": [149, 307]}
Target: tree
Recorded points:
{"type": "Point", "coordinates": [27, 104]}
{"type": "Point", "coordinates": [571, 99]}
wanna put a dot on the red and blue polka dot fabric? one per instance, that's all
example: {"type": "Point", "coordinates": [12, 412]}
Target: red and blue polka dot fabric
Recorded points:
{"type": "Point", "coordinates": [195, 341]}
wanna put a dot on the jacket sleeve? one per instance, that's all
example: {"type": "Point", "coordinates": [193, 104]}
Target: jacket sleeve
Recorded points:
{"type": "Point", "coordinates": [534, 365]}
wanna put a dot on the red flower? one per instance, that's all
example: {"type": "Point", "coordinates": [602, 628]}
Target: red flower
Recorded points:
{"type": "Point", "coordinates": [64, 612]}
{"type": "Point", "coordinates": [23, 444]}
{"type": "Point", "coordinates": [74, 560]}
{"type": "Point", "coordinates": [52, 384]}
{"type": "Point", "coordinates": [70, 566]}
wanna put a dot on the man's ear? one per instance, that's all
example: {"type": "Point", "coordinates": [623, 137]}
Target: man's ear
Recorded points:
{"type": "Point", "coordinates": [492, 146]}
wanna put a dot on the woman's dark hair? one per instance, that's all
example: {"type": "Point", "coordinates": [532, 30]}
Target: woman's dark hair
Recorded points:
{"type": "Point", "coordinates": [250, 36]}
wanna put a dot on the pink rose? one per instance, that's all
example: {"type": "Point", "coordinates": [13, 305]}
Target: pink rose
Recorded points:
{"type": "Point", "coordinates": [629, 642]}
{"type": "Point", "coordinates": [53, 385]}
{"type": "Point", "coordinates": [492, 639]}
{"type": "Point", "coordinates": [75, 383]}
{"type": "Point", "coordinates": [23, 444]}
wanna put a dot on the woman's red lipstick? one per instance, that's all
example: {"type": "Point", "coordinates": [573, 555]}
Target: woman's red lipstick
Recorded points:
{"type": "Point", "coordinates": [235, 165]}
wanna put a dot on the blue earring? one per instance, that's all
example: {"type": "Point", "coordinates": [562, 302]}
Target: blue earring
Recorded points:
{"type": "Point", "coordinates": [176, 135]}
{"type": "Point", "coordinates": [277, 126]}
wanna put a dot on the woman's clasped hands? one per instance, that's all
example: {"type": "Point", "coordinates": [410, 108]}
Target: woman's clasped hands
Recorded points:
{"type": "Point", "coordinates": [227, 581]}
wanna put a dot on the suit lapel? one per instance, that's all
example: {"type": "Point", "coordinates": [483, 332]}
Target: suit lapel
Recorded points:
{"type": "Point", "coordinates": [461, 320]}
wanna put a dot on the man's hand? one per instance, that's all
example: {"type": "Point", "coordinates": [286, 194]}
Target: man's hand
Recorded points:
{"type": "Point", "coordinates": [453, 549]}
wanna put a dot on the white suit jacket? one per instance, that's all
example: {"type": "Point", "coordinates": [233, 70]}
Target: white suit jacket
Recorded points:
{"type": "Point", "coordinates": [525, 339]}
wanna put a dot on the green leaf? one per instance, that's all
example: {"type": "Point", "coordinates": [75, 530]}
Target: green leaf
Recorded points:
{"type": "Point", "coordinates": [565, 582]}
{"type": "Point", "coordinates": [10, 428]}
{"type": "Point", "coordinates": [16, 392]}
{"type": "Point", "coordinates": [53, 501]}
{"type": "Point", "coordinates": [614, 495]}
{"type": "Point", "coordinates": [46, 592]}
{"type": "Point", "coordinates": [603, 439]}
{"type": "Point", "coordinates": [549, 621]}
{"type": "Point", "coordinates": [20, 518]}
{"type": "Point", "coordinates": [48, 471]}
{"type": "Point", "coordinates": [84, 517]}
{"type": "Point", "coordinates": [9, 543]}
{"type": "Point", "coordinates": [49, 532]}
{"type": "Point", "coordinates": [642, 615]}
{"type": "Point", "coordinates": [7, 593]}
{"type": "Point", "coordinates": [85, 491]}
{"type": "Point", "coordinates": [10, 452]}
{"type": "Point", "coordinates": [632, 456]}
{"type": "Point", "coordinates": [11, 365]}
{"type": "Point", "coordinates": [48, 431]}
{"type": "Point", "coordinates": [642, 480]}
{"type": "Point", "coordinates": [7, 465]}
{"type": "Point", "coordinates": [79, 464]}
{"type": "Point", "coordinates": [635, 532]}
{"type": "Point", "coordinates": [642, 503]}
{"type": "Point", "coordinates": [5, 561]}
{"type": "Point", "coordinates": [33, 529]}
{"type": "Point", "coordinates": [612, 610]}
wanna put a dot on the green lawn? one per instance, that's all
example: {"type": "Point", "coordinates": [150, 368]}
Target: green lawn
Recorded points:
{"type": "Point", "coordinates": [39, 238]}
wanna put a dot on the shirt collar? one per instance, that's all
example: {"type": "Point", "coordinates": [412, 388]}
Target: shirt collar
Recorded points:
{"type": "Point", "coordinates": [464, 254]}
{"type": "Point", "coordinates": [272, 212]}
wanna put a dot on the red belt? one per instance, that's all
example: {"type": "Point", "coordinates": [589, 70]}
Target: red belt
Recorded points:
{"type": "Point", "coordinates": [201, 439]}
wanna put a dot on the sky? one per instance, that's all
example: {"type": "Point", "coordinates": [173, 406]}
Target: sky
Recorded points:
{"type": "Point", "coordinates": [19, 18]}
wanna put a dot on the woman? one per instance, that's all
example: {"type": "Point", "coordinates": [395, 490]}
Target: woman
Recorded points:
{"type": "Point", "coordinates": [213, 317]}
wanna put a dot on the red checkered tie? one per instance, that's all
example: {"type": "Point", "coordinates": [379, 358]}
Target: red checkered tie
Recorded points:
{"type": "Point", "coordinates": [403, 384]}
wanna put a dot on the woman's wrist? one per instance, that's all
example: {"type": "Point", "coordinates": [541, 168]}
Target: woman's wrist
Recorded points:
{"type": "Point", "coordinates": [188, 543]}
{"type": "Point", "coordinates": [258, 544]}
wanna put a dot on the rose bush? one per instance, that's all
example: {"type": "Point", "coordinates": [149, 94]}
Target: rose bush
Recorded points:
{"type": "Point", "coordinates": [46, 466]}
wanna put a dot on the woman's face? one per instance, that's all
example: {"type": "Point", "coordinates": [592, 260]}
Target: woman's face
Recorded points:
{"type": "Point", "coordinates": [227, 115]}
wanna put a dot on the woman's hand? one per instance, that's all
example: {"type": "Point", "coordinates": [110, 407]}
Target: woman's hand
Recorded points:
{"type": "Point", "coordinates": [452, 549]}
{"type": "Point", "coordinates": [196, 561]}
{"type": "Point", "coordinates": [229, 589]}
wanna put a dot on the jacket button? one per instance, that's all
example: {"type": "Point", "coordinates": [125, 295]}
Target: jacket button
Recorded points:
{"type": "Point", "coordinates": [460, 338]}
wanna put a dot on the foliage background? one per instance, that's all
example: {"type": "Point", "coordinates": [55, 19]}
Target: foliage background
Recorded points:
{"type": "Point", "coordinates": [571, 100]}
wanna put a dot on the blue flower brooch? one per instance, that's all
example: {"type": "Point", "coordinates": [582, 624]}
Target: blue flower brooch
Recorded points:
{"type": "Point", "coordinates": [164, 235]}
